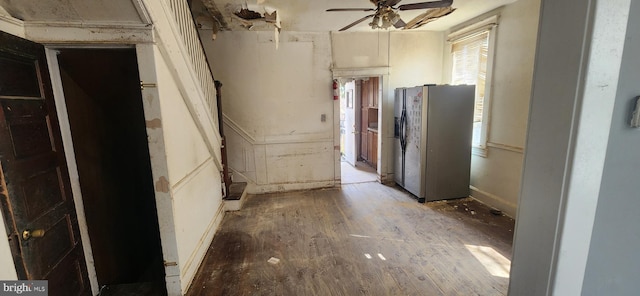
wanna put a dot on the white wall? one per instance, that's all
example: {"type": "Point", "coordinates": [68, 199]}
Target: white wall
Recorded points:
{"type": "Point", "coordinates": [495, 179]}
{"type": "Point", "coordinates": [273, 101]}
{"type": "Point", "coordinates": [194, 182]}
{"type": "Point", "coordinates": [415, 58]}
{"type": "Point", "coordinates": [613, 265]}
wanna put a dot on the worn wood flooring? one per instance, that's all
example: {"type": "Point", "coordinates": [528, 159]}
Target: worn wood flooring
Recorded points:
{"type": "Point", "coordinates": [362, 239]}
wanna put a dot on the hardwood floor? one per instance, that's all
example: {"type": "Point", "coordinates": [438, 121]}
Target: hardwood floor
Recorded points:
{"type": "Point", "coordinates": [363, 239]}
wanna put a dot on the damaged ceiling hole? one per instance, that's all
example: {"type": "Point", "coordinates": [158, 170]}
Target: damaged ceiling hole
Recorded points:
{"type": "Point", "coordinates": [247, 14]}
{"type": "Point", "coordinates": [250, 15]}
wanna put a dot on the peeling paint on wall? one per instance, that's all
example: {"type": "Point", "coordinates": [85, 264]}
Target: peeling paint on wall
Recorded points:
{"type": "Point", "coordinates": [162, 185]}
{"type": "Point", "coordinates": [154, 123]}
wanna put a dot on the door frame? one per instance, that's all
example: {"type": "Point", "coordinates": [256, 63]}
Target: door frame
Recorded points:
{"type": "Point", "coordinates": [385, 119]}
{"type": "Point", "coordinates": [151, 108]}
{"type": "Point", "coordinates": [146, 54]}
{"type": "Point", "coordinates": [67, 142]}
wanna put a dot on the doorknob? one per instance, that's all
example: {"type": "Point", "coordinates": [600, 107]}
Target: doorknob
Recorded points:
{"type": "Point", "coordinates": [27, 234]}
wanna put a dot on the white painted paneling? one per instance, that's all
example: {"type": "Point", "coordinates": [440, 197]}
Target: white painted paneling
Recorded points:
{"type": "Point", "coordinates": [300, 163]}
{"type": "Point", "coordinates": [274, 94]}
{"type": "Point", "coordinates": [184, 145]}
{"type": "Point", "coordinates": [198, 212]}
{"type": "Point", "coordinates": [360, 49]}
{"type": "Point", "coordinates": [148, 57]}
{"type": "Point", "coordinates": [273, 101]}
{"type": "Point", "coordinates": [194, 180]}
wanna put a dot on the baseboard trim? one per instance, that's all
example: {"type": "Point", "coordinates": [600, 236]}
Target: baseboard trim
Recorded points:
{"type": "Point", "coordinates": [494, 201]}
{"type": "Point", "coordinates": [270, 188]}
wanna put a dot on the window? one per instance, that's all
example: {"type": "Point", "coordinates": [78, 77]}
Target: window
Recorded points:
{"type": "Point", "coordinates": [471, 57]}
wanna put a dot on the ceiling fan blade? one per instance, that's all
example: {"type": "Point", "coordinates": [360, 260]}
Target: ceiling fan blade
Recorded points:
{"type": "Point", "coordinates": [399, 24]}
{"type": "Point", "coordinates": [351, 9]}
{"type": "Point", "coordinates": [424, 5]}
{"type": "Point", "coordinates": [427, 17]}
{"type": "Point", "coordinates": [391, 2]}
{"type": "Point", "coordinates": [356, 22]}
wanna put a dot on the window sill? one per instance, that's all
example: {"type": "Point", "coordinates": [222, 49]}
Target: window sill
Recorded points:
{"type": "Point", "coordinates": [479, 151]}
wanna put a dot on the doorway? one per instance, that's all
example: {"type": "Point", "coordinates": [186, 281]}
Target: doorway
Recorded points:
{"type": "Point", "coordinates": [106, 119]}
{"type": "Point", "coordinates": [359, 129]}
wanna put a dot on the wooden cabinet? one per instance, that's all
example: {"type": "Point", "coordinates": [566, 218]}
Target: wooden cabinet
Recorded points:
{"type": "Point", "coordinates": [373, 148]}
{"type": "Point", "coordinates": [371, 92]}
{"type": "Point", "coordinates": [364, 124]}
{"type": "Point", "coordinates": [364, 145]}
{"type": "Point", "coordinates": [369, 151]}
{"type": "Point", "coordinates": [374, 91]}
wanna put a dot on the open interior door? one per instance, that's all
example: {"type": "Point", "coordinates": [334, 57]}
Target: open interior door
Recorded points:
{"type": "Point", "coordinates": [35, 190]}
{"type": "Point", "coordinates": [351, 132]}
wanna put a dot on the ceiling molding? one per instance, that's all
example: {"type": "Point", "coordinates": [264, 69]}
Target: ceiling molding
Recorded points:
{"type": "Point", "coordinates": [12, 25]}
{"type": "Point", "coordinates": [88, 32]}
{"type": "Point", "coordinates": [360, 72]}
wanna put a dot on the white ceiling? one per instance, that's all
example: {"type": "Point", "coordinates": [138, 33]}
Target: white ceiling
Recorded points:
{"type": "Point", "coordinates": [55, 11]}
{"type": "Point", "coordinates": [310, 15]}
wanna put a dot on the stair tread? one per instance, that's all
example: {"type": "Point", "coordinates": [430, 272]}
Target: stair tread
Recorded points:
{"type": "Point", "coordinates": [235, 190]}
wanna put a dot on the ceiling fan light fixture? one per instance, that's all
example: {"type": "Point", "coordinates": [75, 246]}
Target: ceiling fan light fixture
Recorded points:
{"type": "Point", "coordinates": [375, 23]}
{"type": "Point", "coordinates": [386, 22]}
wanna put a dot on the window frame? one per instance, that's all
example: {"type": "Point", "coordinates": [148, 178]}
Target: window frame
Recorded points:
{"type": "Point", "coordinates": [489, 25]}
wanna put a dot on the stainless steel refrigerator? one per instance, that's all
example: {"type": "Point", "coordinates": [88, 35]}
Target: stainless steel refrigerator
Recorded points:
{"type": "Point", "coordinates": [433, 130]}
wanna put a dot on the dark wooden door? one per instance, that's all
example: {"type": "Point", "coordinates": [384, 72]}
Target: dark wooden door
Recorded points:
{"type": "Point", "coordinates": [35, 189]}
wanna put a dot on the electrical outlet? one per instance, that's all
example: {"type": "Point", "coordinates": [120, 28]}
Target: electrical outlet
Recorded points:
{"type": "Point", "coordinates": [635, 116]}
{"type": "Point", "coordinates": [323, 117]}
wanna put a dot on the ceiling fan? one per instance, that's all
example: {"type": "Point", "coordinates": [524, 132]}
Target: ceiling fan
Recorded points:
{"type": "Point", "coordinates": [386, 14]}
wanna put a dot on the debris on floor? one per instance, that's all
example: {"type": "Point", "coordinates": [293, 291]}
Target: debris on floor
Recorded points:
{"type": "Point", "coordinates": [496, 212]}
{"type": "Point", "coordinates": [273, 260]}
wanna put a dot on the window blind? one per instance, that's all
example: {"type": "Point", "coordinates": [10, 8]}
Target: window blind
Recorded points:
{"type": "Point", "coordinates": [470, 54]}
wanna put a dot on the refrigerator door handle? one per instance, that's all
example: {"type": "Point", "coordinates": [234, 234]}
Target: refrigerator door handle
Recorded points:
{"type": "Point", "coordinates": [403, 129]}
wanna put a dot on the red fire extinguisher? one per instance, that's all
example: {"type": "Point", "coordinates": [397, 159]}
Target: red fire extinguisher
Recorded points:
{"type": "Point", "coordinates": [336, 90]}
